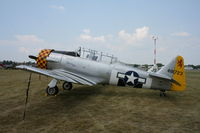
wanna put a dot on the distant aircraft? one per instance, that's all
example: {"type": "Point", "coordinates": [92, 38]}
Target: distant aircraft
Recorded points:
{"type": "Point", "coordinates": [89, 67]}
{"type": "Point", "coordinates": [7, 66]}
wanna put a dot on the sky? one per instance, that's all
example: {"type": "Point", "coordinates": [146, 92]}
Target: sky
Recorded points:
{"type": "Point", "coordinates": [123, 28]}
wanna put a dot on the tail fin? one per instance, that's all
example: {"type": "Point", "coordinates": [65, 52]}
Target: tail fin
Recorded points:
{"type": "Point", "coordinates": [175, 70]}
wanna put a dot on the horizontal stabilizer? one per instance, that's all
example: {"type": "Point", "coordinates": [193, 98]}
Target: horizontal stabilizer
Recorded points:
{"type": "Point", "coordinates": [175, 71]}
{"type": "Point", "coordinates": [32, 57]}
{"type": "Point", "coordinates": [164, 77]}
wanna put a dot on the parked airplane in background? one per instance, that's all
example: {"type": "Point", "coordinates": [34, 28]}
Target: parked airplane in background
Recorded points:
{"type": "Point", "coordinates": [7, 66]}
{"type": "Point", "coordinates": [89, 67]}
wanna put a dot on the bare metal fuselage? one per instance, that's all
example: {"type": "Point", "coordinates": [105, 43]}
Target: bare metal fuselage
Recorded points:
{"type": "Point", "coordinates": [105, 73]}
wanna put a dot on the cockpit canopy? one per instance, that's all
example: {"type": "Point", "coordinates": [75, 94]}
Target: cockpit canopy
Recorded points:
{"type": "Point", "coordinates": [90, 55]}
{"type": "Point", "coordinates": [96, 55]}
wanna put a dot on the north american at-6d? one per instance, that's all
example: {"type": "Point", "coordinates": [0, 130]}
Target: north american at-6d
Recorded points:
{"type": "Point", "coordinates": [89, 67]}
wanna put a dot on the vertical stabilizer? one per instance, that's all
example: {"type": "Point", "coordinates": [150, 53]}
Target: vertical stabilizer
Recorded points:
{"type": "Point", "coordinates": [175, 70]}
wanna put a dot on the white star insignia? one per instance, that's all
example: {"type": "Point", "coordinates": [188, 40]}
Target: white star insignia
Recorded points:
{"type": "Point", "coordinates": [131, 78]}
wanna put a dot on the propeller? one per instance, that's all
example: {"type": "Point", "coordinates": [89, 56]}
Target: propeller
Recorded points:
{"type": "Point", "coordinates": [33, 57]}
{"type": "Point", "coordinates": [26, 100]}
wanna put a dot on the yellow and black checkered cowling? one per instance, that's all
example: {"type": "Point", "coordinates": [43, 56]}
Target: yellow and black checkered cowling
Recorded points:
{"type": "Point", "coordinates": [41, 60]}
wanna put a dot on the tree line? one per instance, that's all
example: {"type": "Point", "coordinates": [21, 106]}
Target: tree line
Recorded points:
{"type": "Point", "coordinates": [12, 64]}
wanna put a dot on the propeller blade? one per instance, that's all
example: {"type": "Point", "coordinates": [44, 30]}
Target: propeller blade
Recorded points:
{"type": "Point", "coordinates": [32, 57]}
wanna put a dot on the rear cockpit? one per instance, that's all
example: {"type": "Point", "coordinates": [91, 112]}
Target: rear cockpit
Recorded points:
{"type": "Point", "coordinates": [96, 56]}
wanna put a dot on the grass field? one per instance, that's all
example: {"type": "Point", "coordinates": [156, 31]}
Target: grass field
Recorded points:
{"type": "Point", "coordinates": [97, 109]}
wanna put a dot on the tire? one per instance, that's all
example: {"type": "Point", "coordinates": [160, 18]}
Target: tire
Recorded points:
{"type": "Point", "coordinates": [52, 91]}
{"type": "Point", "coordinates": [67, 85]}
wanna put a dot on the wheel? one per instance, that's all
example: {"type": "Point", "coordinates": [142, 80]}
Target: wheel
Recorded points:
{"type": "Point", "coordinates": [162, 93]}
{"type": "Point", "coordinates": [67, 85]}
{"type": "Point", "coordinates": [52, 91]}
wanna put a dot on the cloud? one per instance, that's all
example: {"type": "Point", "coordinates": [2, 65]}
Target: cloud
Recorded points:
{"type": "Point", "coordinates": [89, 38]}
{"type": "Point", "coordinates": [61, 8]}
{"type": "Point", "coordinates": [22, 45]}
{"type": "Point", "coordinates": [24, 50]}
{"type": "Point", "coordinates": [129, 38]}
{"type": "Point", "coordinates": [181, 34]}
{"type": "Point", "coordinates": [28, 38]}
{"type": "Point", "coordinates": [86, 31]}
{"type": "Point", "coordinates": [86, 37]}
{"type": "Point", "coordinates": [7, 42]}
{"type": "Point", "coordinates": [138, 35]}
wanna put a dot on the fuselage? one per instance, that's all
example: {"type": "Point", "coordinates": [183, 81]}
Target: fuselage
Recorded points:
{"type": "Point", "coordinates": [102, 73]}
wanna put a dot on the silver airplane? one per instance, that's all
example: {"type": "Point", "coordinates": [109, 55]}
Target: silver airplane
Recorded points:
{"type": "Point", "coordinates": [89, 67]}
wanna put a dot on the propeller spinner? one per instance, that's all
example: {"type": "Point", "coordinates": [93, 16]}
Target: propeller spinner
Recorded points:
{"type": "Point", "coordinates": [41, 59]}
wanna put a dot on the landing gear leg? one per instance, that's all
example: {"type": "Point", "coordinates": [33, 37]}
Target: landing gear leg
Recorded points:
{"type": "Point", "coordinates": [162, 93]}
{"type": "Point", "coordinates": [52, 88]}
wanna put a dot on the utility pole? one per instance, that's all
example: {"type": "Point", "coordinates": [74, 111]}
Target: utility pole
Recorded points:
{"type": "Point", "coordinates": [155, 38]}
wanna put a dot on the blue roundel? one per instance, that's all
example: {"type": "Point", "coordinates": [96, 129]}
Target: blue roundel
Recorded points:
{"type": "Point", "coordinates": [131, 78]}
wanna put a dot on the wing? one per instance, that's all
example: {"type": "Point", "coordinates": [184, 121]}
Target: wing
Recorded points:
{"type": "Point", "coordinates": [60, 74]}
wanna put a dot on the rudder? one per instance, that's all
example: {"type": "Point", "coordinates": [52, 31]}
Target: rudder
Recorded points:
{"type": "Point", "coordinates": [179, 75]}
{"type": "Point", "coordinates": [175, 70]}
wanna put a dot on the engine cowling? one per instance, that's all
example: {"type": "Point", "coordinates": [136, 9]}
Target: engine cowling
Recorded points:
{"type": "Point", "coordinates": [41, 59]}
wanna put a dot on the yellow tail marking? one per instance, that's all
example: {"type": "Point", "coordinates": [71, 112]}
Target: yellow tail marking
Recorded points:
{"type": "Point", "coordinates": [179, 75]}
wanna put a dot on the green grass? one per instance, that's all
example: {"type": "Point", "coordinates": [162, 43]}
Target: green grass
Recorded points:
{"type": "Point", "coordinates": [96, 109]}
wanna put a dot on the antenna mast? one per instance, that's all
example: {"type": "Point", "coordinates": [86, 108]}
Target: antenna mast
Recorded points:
{"type": "Point", "coordinates": [155, 67]}
{"type": "Point", "coordinates": [155, 38]}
